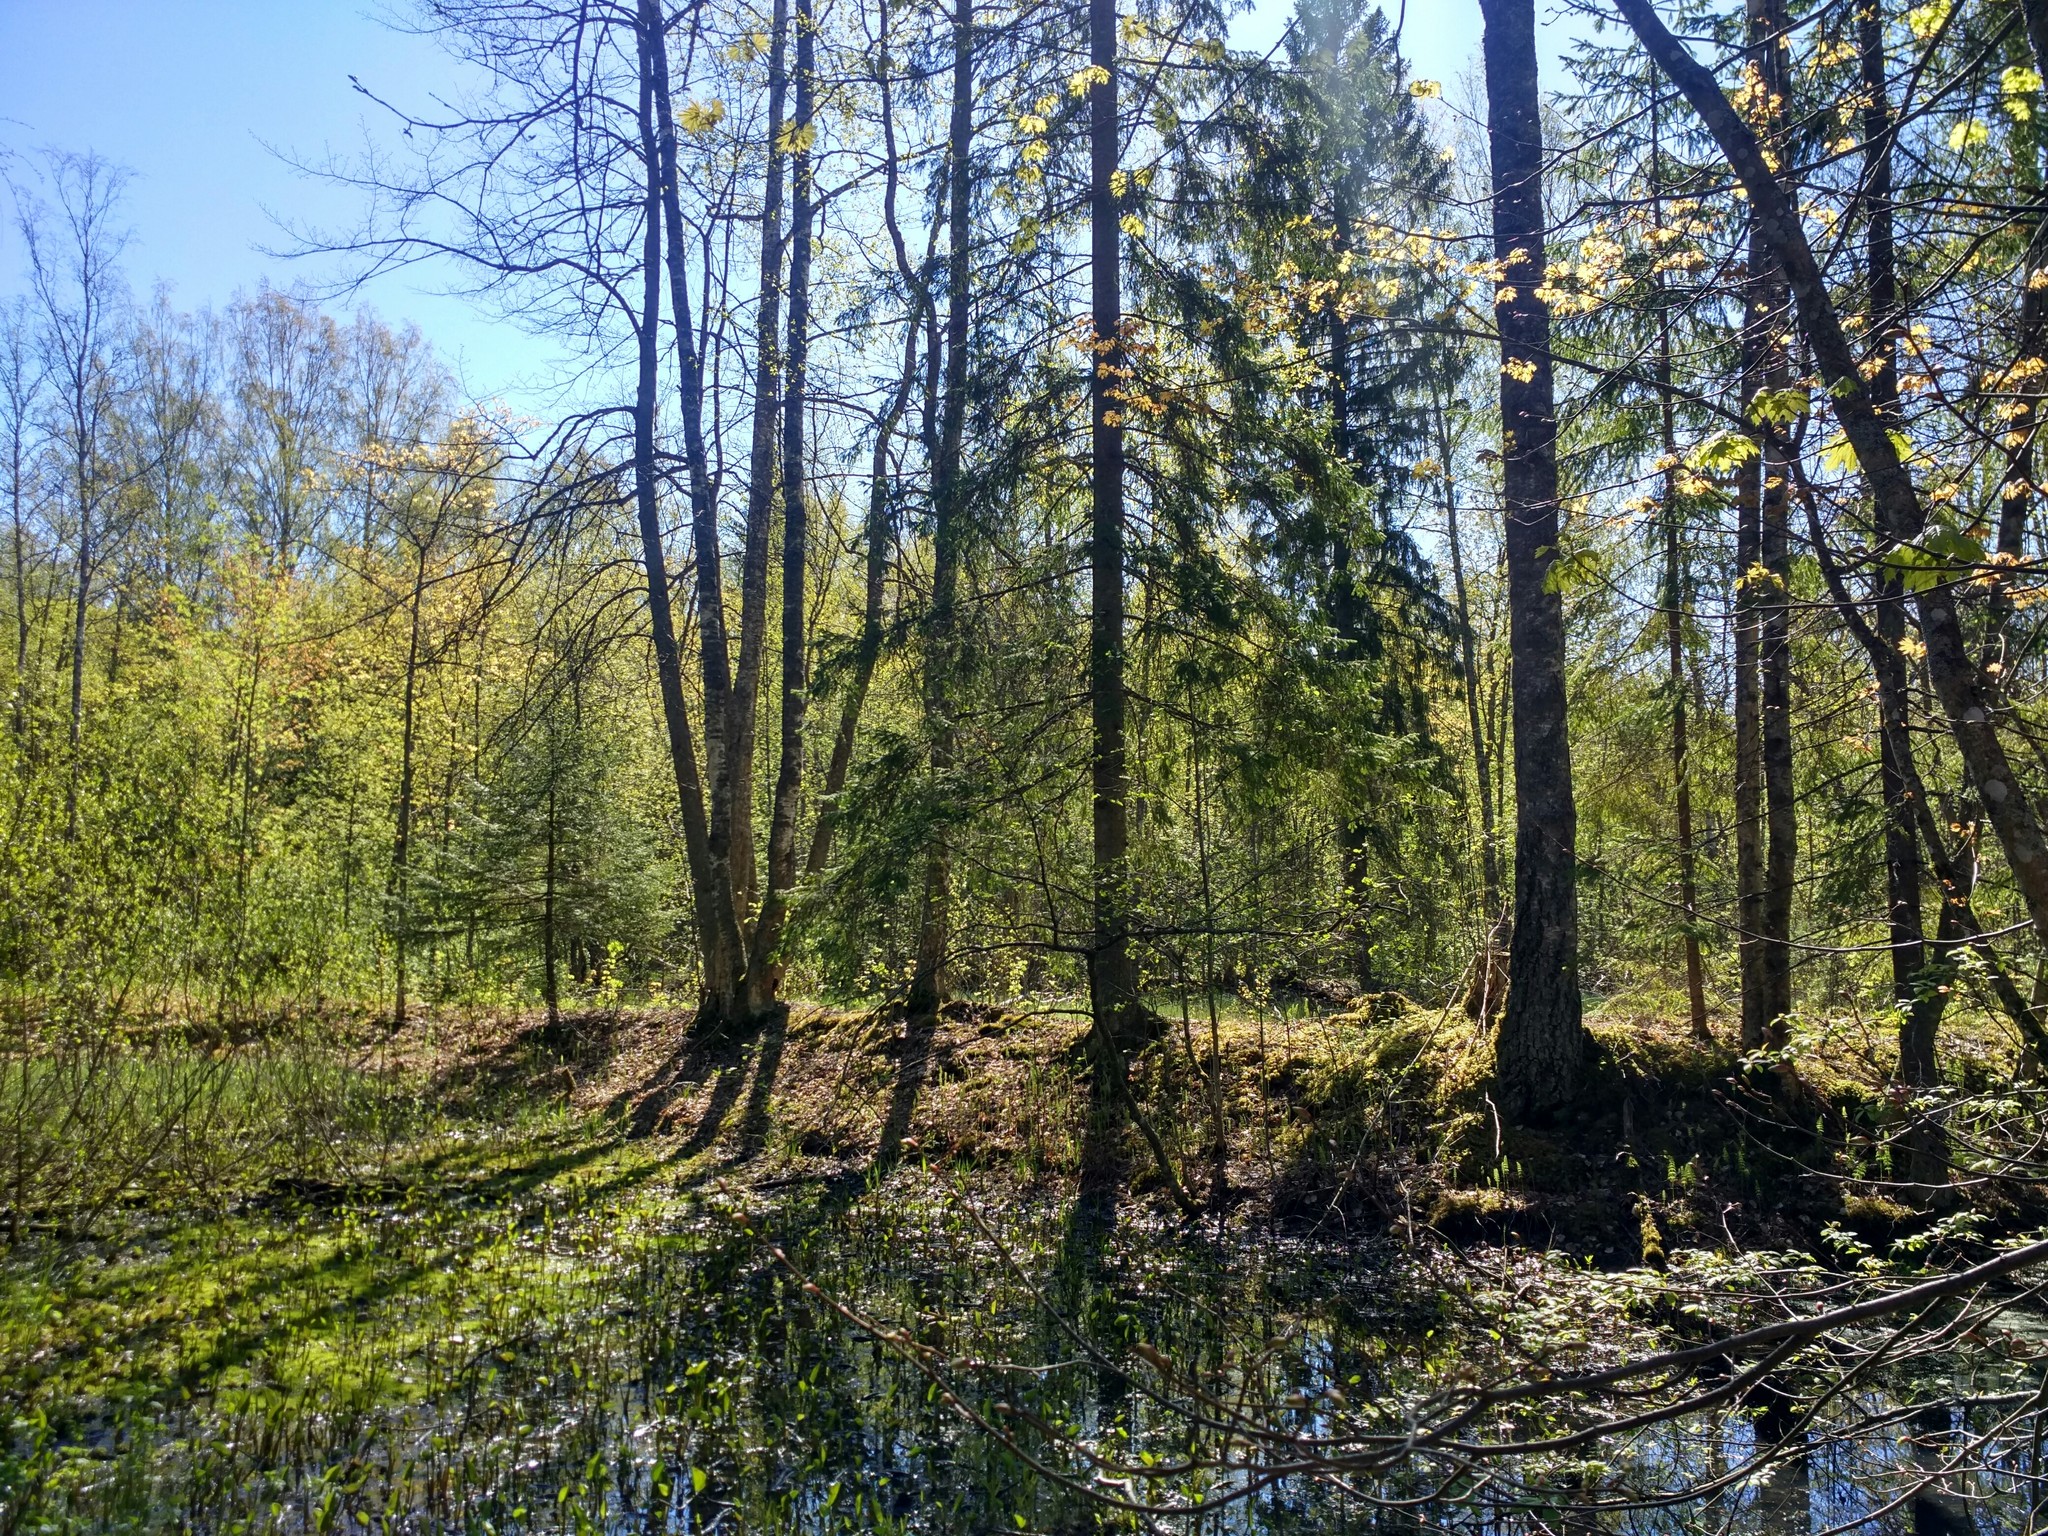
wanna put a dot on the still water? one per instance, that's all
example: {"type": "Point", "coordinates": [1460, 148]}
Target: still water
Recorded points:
{"type": "Point", "coordinates": [601, 1345]}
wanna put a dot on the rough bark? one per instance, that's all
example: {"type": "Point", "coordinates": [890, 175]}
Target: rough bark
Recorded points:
{"type": "Point", "coordinates": [2018, 492]}
{"type": "Point", "coordinates": [1541, 1047]}
{"type": "Point", "coordinates": [1941, 862]}
{"type": "Point", "coordinates": [550, 986]}
{"type": "Point", "coordinates": [81, 605]}
{"type": "Point", "coordinates": [1918, 1000]}
{"type": "Point", "coordinates": [1761, 650]}
{"type": "Point", "coordinates": [401, 836]}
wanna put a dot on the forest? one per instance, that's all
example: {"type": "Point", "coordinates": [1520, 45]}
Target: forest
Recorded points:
{"type": "Point", "coordinates": [1175, 787]}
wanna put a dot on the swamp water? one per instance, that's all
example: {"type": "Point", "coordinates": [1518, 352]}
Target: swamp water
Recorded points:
{"type": "Point", "coordinates": [586, 1338]}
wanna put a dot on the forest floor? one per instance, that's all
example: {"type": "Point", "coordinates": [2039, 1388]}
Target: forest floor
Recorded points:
{"type": "Point", "coordinates": [1345, 1123]}
{"type": "Point", "coordinates": [575, 1274]}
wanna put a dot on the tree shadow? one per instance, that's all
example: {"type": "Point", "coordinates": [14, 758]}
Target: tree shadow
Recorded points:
{"type": "Point", "coordinates": [1103, 1171]}
{"type": "Point", "coordinates": [771, 1032]}
{"type": "Point", "coordinates": [349, 1278]}
{"type": "Point", "coordinates": [725, 1093]}
{"type": "Point", "coordinates": [913, 1068]}
{"type": "Point", "coordinates": [722, 1056]}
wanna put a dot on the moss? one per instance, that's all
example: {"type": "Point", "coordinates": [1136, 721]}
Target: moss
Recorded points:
{"type": "Point", "coordinates": [1651, 1235]}
{"type": "Point", "coordinates": [1461, 1212]}
{"type": "Point", "coordinates": [1875, 1213]}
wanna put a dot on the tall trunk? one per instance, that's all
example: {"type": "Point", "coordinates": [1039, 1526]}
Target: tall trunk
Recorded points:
{"type": "Point", "coordinates": [1953, 873]}
{"type": "Point", "coordinates": [928, 985]}
{"type": "Point", "coordinates": [19, 530]}
{"type": "Point", "coordinates": [1681, 768]}
{"type": "Point", "coordinates": [717, 933]}
{"type": "Point", "coordinates": [401, 841]}
{"type": "Point", "coordinates": [1542, 1042]}
{"type": "Point", "coordinates": [81, 606]}
{"type": "Point", "coordinates": [1919, 992]}
{"type": "Point", "coordinates": [1918, 1002]}
{"type": "Point", "coordinates": [764, 963]}
{"type": "Point", "coordinates": [1901, 513]}
{"type": "Point", "coordinates": [1347, 611]}
{"type": "Point", "coordinates": [1112, 981]}
{"type": "Point", "coordinates": [1674, 624]}
{"type": "Point", "coordinates": [1482, 997]}
{"type": "Point", "coordinates": [550, 990]}
{"type": "Point", "coordinates": [1747, 614]}
{"type": "Point", "coordinates": [1765, 583]}
{"type": "Point", "coordinates": [713, 651]}
{"type": "Point", "coordinates": [732, 796]}
{"type": "Point", "coordinates": [1674, 643]}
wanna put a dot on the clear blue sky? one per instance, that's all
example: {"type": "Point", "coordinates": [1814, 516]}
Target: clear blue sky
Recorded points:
{"type": "Point", "coordinates": [186, 94]}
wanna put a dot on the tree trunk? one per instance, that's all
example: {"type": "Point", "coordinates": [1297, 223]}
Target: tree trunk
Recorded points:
{"type": "Point", "coordinates": [1955, 885]}
{"type": "Point", "coordinates": [718, 939]}
{"type": "Point", "coordinates": [1674, 623]}
{"type": "Point", "coordinates": [2018, 492]}
{"type": "Point", "coordinates": [764, 963]}
{"type": "Point", "coordinates": [733, 797]}
{"type": "Point", "coordinates": [1347, 610]}
{"type": "Point", "coordinates": [713, 651]}
{"type": "Point", "coordinates": [1541, 1046]}
{"type": "Point", "coordinates": [1767, 997]}
{"type": "Point", "coordinates": [928, 983]}
{"type": "Point", "coordinates": [1917, 999]}
{"type": "Point", "coordinates": [80, 607]}
{"type": "Point", "coordinates": [401, 841]}
{"type": "Point", "coordinates": [19, 529]}
{"type": "Point", "coordinates": [550, 990]}
{"type": "Point", "coordinates": [1674, 643]}
{"type": "Point", "coordinates": [1482, 997]}
{"type": "Point", "coordinates": [1112, 982]}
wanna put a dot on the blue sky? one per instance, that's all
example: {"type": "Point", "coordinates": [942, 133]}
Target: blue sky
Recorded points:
{"type": "Point", "coordinates": [187, 94]}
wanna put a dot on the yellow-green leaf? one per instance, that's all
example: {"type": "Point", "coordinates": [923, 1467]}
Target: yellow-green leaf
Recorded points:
{"type": "Point", "coordinates": [1723, 452]}
{"type": "Point", "coordinates": [700, 117]}
{"type": "Point", "coordinates": [1779, 407]}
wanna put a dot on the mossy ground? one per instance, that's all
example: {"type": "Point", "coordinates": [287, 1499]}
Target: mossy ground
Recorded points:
{"type": "Point", "coordinates": [1362, 1121]}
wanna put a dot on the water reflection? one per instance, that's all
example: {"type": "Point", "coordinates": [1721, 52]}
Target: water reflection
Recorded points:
{"type": "Point", "coordinates": [649, 1366]}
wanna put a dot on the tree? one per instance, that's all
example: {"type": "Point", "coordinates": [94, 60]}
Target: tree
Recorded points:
{"type": "Point", "coordinates": [1765, 819]}
{"type": "Point", "coordinates": [21, 387]}
{"type": "Point", "coordinates": [1541, 1046]}
{"type": "Point", "coordinates": [1899, 507]}
{"type": "Point", "coordinates": [765, 962]}
{"type": "Point", "coordinates": [949, 484]}
{"type": "Point", "coordinates": [74, 255]}
{"type": "Point", "coordinates": [1112, 976]}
